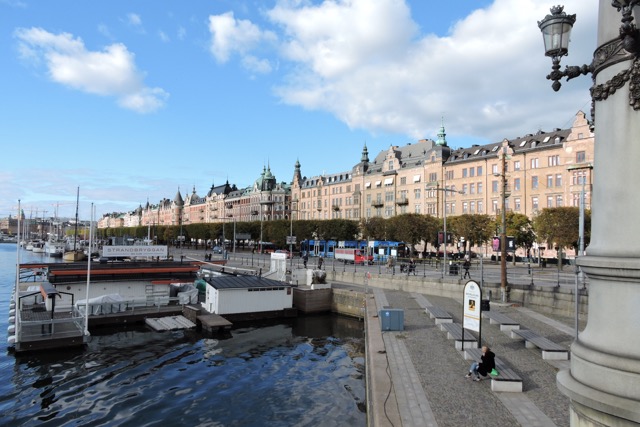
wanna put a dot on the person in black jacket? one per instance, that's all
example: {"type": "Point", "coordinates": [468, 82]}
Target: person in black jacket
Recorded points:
{"type": "Point", "coordinates": [486, 365]}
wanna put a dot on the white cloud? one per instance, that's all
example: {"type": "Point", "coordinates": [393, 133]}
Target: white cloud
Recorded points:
{"type": "Point", "coordinates": [163, 37]}
{"type": "Point", "coordinates": [230, 35]}
{"type": "Point", "coordinates": [110, 72]}
{"type": "Point", "coordinates": [134, 20]}
{"type": "Point", "coordinates": [367, 64]}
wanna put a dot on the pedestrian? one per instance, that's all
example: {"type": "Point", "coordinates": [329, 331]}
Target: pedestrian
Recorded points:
{"type": "Point", "coordinates": [305, 259]}
{"type": "Point", "coordinates": [412, 267]}
{"type": "Point", "coordinates": [466, 265]}
{"type": "Point", "coordinates": [486, 366]}
{"type": "Point", "coordinates": [320, 261]}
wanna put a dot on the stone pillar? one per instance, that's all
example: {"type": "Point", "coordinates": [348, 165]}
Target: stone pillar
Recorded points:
{"type": "Point", "coordinates": [604, 380]}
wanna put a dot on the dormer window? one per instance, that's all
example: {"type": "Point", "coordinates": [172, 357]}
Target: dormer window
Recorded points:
{"type": "Point", "coordinates": [390, 165]}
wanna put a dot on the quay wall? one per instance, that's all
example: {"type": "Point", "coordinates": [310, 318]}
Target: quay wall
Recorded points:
{"type": "Point", "coordinates": [550, 299]}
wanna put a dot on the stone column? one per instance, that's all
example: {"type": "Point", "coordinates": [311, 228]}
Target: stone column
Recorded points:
{"type": "Point", "coordinates": [604, 380]}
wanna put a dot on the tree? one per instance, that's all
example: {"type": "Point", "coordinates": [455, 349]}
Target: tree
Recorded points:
{"type": "Point", "coordinates": [476, 229]}
{"type": "Point", "coordinates": [520, 227]}
{"type": "Point", "coordinates": [558, 226]}
{"type": "Point", "coordinates": [413, 229]}
{"type": "Point", "coordinates": [374, 228]}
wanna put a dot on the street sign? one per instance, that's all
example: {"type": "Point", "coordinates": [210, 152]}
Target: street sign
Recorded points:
{"type": "Point", "coordinates": [291, 240]}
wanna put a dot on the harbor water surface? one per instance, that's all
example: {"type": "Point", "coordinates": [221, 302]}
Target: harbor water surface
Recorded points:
{"type": "Point", "coordinates": [307, 371]}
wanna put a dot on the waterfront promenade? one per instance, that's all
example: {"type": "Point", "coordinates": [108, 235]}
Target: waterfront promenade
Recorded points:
{"type": "Point", "coordinates": [416, 376]}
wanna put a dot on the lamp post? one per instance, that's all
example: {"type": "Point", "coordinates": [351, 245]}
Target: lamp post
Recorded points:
{"type": "Point", "coordinates": [503, 227]}
{"type": "Point", "coordinates": [444, 190]}
{"type": "Point", "coordinates": [291, 231]}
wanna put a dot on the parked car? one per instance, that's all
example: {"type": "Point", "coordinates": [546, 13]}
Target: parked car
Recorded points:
{"type": "Point", "coordinates": [217, 250]}
{"type": "Point", "coordinates": [284, 251]}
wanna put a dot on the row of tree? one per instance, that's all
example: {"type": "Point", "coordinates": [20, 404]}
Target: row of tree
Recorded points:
{"type": "Point", "coordinates": [555, 227]}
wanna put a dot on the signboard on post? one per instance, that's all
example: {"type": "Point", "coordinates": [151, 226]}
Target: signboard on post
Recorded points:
{"type": "Point", "coordinates": [291, 240]}
{"type": "Point", "coordinates": [134, 251]}
{"type": "Point", "coordinates": [472, 306]}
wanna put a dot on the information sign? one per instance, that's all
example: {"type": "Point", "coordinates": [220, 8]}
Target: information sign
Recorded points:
{"type": "Point", "coordinates": [472, 305]}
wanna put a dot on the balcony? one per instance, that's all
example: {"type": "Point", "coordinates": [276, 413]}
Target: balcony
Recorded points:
{"type": "Point", "coordinates": [335, 207]}
{"type": "Point", "coordinates": [377, 203]}
{"type": "Point", "coordinates": [402, 202]}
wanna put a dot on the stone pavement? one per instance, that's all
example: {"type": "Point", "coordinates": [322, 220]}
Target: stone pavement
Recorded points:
{"type": "Point", "coordinates": [421, 380]}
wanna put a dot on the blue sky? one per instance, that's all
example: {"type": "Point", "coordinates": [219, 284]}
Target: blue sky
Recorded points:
{"type": "Point", "coordinates": [134, 100]}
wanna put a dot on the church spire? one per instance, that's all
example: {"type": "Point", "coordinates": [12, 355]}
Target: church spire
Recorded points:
{"type": "Point", "coordinates": [365, 154]}
{"type": "Point", "coordinates": [442, 140]}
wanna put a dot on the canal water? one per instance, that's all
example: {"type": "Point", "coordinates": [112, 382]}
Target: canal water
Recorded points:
{"type": "Point", "coordinates": [307, 371]}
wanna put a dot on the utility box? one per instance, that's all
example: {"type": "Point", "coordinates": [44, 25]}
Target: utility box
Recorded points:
{"type": "Point", "coordinates": [391, 319]}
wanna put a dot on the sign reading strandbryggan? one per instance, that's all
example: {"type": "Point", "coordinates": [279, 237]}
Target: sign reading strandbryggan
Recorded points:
{"type": "Point", "coordinates": [135, 251]}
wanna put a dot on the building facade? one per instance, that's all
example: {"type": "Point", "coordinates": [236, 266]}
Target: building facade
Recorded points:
{"type": "Point", "coordinates": [545, 169]}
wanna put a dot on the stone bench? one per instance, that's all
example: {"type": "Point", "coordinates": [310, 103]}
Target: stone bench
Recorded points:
{"type": "Point", "coordinates": [454, 332]}
{"type": "Point", "coordinates": [550, 350]}
{"type": "Point", "coordinates": [507, 379]}
{"type": "Point", "coordinates": [440, 315]}
{"type": "Point", "coordinates": [506, 323]}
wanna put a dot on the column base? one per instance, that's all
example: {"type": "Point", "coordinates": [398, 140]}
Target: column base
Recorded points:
{"type": "Point", "coordinates": [594, 408]}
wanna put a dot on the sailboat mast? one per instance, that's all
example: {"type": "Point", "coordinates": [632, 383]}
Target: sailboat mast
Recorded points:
{"type": "Point", "coordinates": [75, 232]}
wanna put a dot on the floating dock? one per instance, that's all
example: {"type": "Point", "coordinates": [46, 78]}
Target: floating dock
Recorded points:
{"type": "Point", "coordinates": [169, 323]}
{"type": "Point", "coordinates": [213, 323]}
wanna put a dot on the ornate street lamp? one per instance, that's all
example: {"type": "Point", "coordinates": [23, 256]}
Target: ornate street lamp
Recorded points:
{"type": "Point", "coordinates": [556, 31]}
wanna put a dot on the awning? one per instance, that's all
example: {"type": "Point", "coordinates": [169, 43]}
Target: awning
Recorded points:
{"type": "Point", "coordinates": [388, 181]}
{"type": "Point", "coordinates": [416, 178]}
{"type": "Point", "coordinates": [378, 183]}
{"type": "Point", "coordinates": [367, 185]}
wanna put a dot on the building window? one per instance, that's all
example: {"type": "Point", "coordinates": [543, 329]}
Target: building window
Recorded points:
{"type": "Point", "coordinates": [449, 175]}
{"type": "Point", "coordinates": [464, 189]}
{"type": "Point", "coordinates": [368, 198]}
{"type": "Point", "coordinates": [465, 207]}
{"type": "Point", "coordinates": [494, 186]}
{"type": "Point", "coordinates": [390, 165]}
{"type": "Point", "coordinates": [480, 206]}
{"type": "Point", "coordinates": [580, 157]}
{"type": "Point", "coordinates": [516, 204]}
{"type": "Point", "coordinates": [516, 184]}
{"type": "Point", "coordinates": [479, 169]}
{"type": "Point", "coordinates": [479, 188]}
{"type": "Point", "coordinates": [464, 172]}
{"type": "Point", "coordinates": [549, 201]}
{"type": "Point", "coordinates": [494, 169]}
{"type": "Point", "coordinates": [403, 180]}
{"type": "Point", "coordinates": [417, 208]}
{"type": "Point", "coordinates": [534, 182]}
{"type": "Point", "coordinates": [516, 165]}
{"type": "Point", "coordinates": [433, 177]}
{"type": "Point", "coordinates": [472, 188]}
{"type": "Point", "coordinates": [549, 181]}
{"type": "Point", "coordinates": [559, 201]}
{"type": "Point", "coordinates": [494, 206]}
{"type": "Point", "coordinates": [534, 204]}
{"type": "Point", "coordinates": [559, 180]}
{"type": "Point", "coordinates": [534, 163]}
{"type": "Point", "coordinates": [416, 194]}
{"type": "Point", "coordinates": [472, 207]}
{"type": "Point", "coordinates": [388, 196]}
{"type": "Point", "coordinates": [554, 160]}
{"type": "Point", "coordinates": [472, 172]}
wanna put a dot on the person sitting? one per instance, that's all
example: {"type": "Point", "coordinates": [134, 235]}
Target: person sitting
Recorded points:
{"type": "Point", "coordinates": [486, 365]}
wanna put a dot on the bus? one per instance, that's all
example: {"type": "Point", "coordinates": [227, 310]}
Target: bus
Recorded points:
{"type": "Point", "coordinates": [266, 247]}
